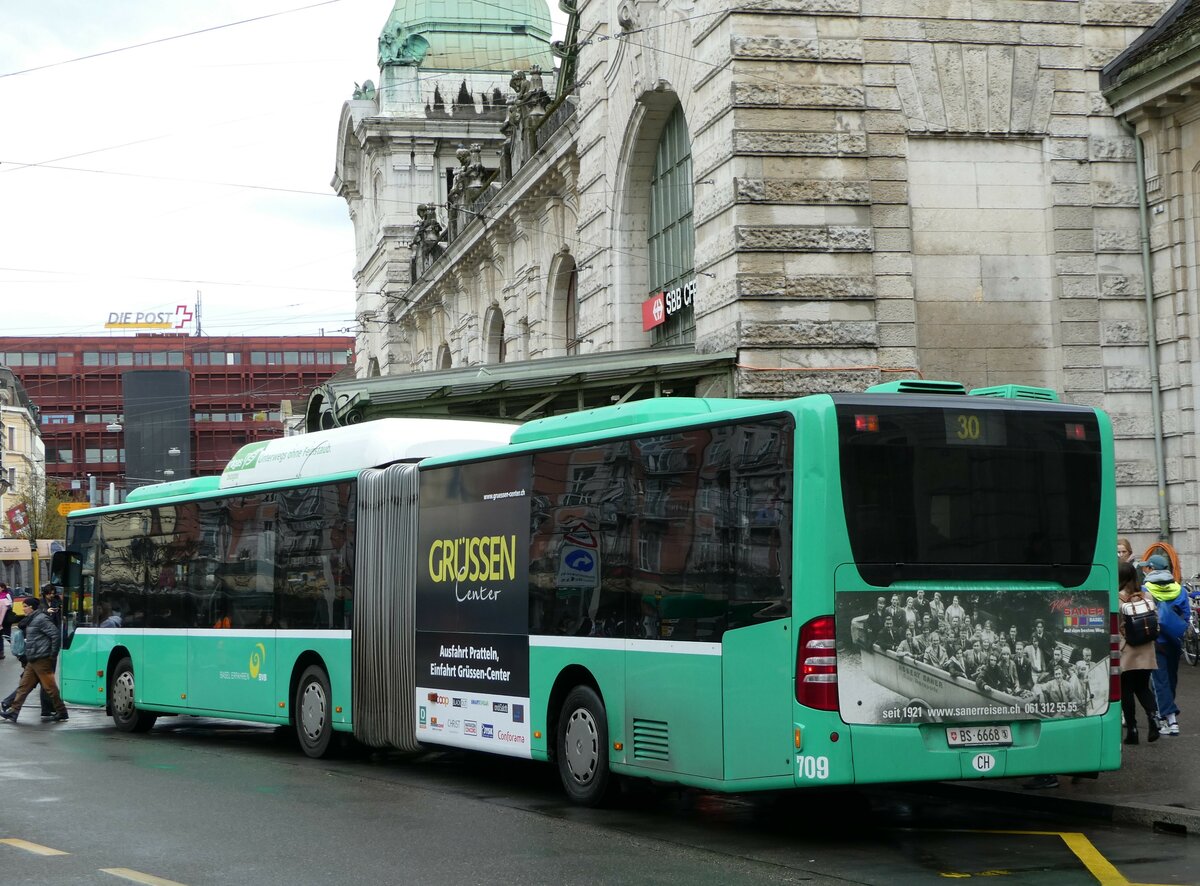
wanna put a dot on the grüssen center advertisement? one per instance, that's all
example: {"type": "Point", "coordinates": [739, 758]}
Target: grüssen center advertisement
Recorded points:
{"type": "Point", "coordinates": [473, 607]}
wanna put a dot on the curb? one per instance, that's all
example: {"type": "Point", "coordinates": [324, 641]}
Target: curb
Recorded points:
{"type": "Point", "coordinates": [1179, 820]}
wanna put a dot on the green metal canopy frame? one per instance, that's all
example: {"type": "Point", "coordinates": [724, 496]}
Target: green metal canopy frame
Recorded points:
{"type": "Point", "coordinates": [523, 390]}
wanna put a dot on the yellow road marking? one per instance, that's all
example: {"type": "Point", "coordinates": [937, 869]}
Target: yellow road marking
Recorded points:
{"type": "Point", "coordinates": [1098, 866]}
{"type": "Point", "coordinates": [139, 877]}
{"type": "Point", "coordinates": [32, 847]}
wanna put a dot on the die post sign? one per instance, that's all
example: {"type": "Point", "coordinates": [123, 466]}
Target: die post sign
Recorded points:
{"type": "Point", "coordinates": [179, 319]}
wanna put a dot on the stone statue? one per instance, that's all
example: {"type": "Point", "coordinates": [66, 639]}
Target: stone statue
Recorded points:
{"type": "Point", "coordinates": [402, 48]}
{"type": "Point", "coordinates": [427, 236]}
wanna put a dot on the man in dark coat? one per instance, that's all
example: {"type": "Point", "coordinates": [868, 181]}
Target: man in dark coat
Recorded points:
{"type": "Point", "coordinates": [43, 639]}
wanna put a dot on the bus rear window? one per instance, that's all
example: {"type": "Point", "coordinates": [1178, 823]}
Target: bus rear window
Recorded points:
{"type": "Point", "coordinates": [998, 492]}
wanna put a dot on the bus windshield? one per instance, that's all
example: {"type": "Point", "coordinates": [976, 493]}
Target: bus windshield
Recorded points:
{"type": "Point", "coordinates": [970, 491]}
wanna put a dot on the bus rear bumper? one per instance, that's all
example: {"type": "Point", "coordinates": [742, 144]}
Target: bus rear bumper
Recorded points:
{"type": "Point", "coordinates": [923, 752]}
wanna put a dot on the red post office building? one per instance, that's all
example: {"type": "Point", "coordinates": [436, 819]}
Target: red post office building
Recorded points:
{"type": "Point", "coordinates": [140, 409]}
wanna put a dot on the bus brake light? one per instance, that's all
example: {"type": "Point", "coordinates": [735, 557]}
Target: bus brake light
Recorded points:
{"type": "Point", "coordinates": [1076, 431]}
{"type": "Point", "coordinates": [816, 665]}
{"type": "Point", "coordinates": [868, 423]}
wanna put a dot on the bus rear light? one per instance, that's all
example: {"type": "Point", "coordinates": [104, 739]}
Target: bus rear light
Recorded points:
{"type": "Point", "coordinates": [867, 423]}
{"type": "Point", "coordinates": [816, 665]}
{"type": "Point", "coordinates": [1114, 658]}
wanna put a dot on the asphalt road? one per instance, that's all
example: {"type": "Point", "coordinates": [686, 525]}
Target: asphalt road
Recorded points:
{"type": "Point", "coordinates": [208, 802]}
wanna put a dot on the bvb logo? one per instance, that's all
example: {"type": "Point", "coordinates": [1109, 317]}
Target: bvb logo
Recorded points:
{"type": "Point", "coordinates": [256, 660]}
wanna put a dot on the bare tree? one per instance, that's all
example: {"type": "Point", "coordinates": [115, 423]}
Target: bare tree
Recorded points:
{"type": "Point", "coordinates": [41, 500]}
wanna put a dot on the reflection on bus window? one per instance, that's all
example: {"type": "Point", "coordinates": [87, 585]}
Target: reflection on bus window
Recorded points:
{"type": "Point", "coordinates": [678, 536]}
{"type": "Point", "coordinates": [270, 560]}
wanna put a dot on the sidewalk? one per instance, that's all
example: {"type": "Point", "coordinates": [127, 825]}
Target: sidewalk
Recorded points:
{"type": "Point", "coordinates": [1156, 786]}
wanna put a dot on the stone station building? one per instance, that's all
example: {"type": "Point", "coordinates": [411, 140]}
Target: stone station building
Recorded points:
{"type": "Point", "coordinates": [765, 200]}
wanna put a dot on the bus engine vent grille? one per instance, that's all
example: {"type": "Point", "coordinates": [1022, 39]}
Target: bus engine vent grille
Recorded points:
{"type": "Point", "coordinates": [651, 740]}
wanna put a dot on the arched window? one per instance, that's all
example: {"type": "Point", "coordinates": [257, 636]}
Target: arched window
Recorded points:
{"type": "Point", "coordinates": [571, 312]}
{"type": "Point", "coordinates": [495, 335]}
{"type": "Point", "coordinates": [443, 357]}
{"type": "Point", "coordinates": [564, 311]}
{"type": "Point", "coordinates": [672, 236]}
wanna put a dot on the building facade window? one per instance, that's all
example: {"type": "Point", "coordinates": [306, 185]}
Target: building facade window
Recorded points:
{"type": "Point", "coordinates": [216, 358]}
{"type": "Point", "coordinates": [571, 313]}
{"type": "Point", "coordinates": [671, 234]}
{"type": "Point", "coordinates": [495, 336]}
{"type": "Point", "coordinates": [26, 358]}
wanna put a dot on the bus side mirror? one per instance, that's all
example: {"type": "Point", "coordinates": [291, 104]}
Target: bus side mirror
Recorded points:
{"type": "Point", "coordinates": [65, 569]}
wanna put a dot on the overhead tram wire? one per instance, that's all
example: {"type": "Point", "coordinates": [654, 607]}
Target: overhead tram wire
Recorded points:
{"type": "Point", "coordinates": [169, 39]}
{"type": "Point", "coordinates": [621, 35]}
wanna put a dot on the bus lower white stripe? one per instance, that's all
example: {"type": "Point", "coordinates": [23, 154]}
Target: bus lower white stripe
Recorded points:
{"type": "Point", "coordinates": [673, 647]}
{"type": "Point", "coordinates": [240, 633]}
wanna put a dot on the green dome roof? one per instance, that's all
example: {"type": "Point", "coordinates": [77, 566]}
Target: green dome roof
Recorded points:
{"type": "Point", "coordinates": [467, 35]}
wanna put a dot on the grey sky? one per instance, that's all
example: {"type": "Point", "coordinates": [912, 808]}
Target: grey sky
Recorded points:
{"type": "Point", "coordinates": [199, 163]}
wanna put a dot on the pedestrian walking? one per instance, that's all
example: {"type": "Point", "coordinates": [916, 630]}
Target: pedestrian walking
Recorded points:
{"type": "Point", "coordinates": [1138, 661]}
{"type": "Point", "coordinates": [43, 639]}
{"type": "Point", "coordinates": [53, 605]}
{"type": "Point", "coordinates": [1174, 613]}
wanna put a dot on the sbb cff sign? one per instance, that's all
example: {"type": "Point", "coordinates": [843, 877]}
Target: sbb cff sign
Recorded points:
{"type": "Point", "coordinates": [658, 307]}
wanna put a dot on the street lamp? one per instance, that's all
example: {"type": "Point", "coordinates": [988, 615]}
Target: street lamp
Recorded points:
{"type": "Point", "coordinates": [115, 427]}
{"type": "Point", "coordinates": [5, 485]}
{"type": "Point", "coordinates": [174, 450]}
{"type": "Point", "coordinates": [168, 473]}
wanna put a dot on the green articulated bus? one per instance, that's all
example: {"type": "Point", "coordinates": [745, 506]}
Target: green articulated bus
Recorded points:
{"type": "Point", "coordinates": [911, 583]}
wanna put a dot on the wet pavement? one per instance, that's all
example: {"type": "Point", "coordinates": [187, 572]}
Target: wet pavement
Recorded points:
{"type": "Point", "coordinates": [1156, 786]}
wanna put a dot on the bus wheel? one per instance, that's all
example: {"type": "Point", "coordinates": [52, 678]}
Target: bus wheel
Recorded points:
{"type": "Point", "coordinates": [312, 712]}
{"type": "Point", "coordinates": [125, 714]}
{"type": "Point", "coordinates": [582, 748]}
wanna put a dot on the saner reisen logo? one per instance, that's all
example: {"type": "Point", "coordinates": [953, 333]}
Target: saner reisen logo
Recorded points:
{"type": "Point", "coordinates": [474, 565]}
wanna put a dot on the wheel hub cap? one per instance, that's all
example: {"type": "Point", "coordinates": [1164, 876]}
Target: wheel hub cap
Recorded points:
{"type": "Point", "coordinates": [581, 746]}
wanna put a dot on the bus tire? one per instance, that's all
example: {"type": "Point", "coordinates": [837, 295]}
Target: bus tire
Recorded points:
{"type": "Point", "coordinates": [313, 713]}
{"type": "Point", "coordinates": [582, 748]}
{"type": "Point", "coordinates": [125, 714]}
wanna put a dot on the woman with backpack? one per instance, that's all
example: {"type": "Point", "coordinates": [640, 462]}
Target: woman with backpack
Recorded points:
{"type": "Point", "coordinates": [1174, 612]}
{"type": "Point", "coordinates": [1138, 660]}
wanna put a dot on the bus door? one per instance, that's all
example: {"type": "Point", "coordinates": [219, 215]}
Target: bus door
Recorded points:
{"type": "Point", "coordinates": [75, 577]}
{"type": "Point", "coordinates": [162, 679]}
{"type": "Point", "coordinates": [231, 655]}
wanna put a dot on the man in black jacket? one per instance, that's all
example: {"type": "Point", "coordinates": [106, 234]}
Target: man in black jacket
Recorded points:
{"type": "Point", "coordinates": [43, 639]}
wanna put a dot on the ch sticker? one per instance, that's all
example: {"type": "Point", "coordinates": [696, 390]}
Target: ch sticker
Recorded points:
{"type": "Point", "coordinates": [256, 660]}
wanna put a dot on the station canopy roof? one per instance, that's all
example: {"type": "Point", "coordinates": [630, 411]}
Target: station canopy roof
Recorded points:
{"type": "Point", "coordinates": [521, 390]}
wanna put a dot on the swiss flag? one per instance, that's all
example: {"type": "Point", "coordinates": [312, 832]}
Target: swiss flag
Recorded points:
{"type": "Point", "coordinates": [18, 519]}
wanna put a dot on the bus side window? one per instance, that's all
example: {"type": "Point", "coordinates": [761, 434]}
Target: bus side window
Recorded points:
{"type": "Point", "coordinates": [579, 541]}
